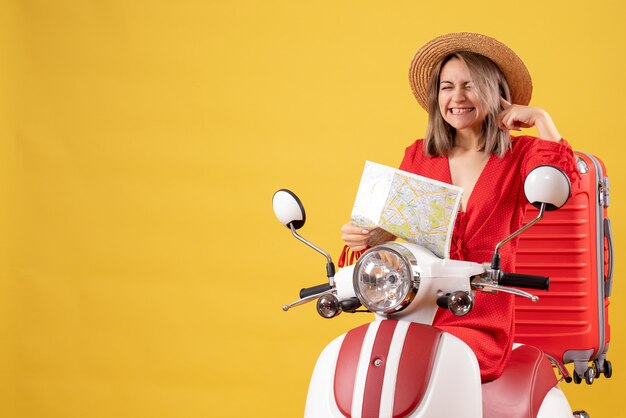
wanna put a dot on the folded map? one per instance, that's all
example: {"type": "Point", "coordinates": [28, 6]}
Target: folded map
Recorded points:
{"type": "Point", "coordinates": [414, 208]}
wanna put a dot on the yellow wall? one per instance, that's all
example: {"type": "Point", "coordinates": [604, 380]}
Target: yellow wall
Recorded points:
{"type": "Point", "coordinates": [142, 268]}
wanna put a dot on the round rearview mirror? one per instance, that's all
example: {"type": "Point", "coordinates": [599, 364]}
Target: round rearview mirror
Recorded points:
{"type": "Point", "coordinates": [288, 209]}
{"type": "Point", "coordinates": [547, 184]}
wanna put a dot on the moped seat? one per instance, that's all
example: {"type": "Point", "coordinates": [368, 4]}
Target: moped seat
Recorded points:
{"type": "Point", "coordinates": [520, 390]}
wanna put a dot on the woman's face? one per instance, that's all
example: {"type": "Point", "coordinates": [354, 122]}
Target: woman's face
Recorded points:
{"type": "Point", "coordinates": [458, 101]}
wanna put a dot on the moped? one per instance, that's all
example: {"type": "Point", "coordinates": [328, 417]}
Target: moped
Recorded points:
{"type": "Point", "coordinates": [399, 365]}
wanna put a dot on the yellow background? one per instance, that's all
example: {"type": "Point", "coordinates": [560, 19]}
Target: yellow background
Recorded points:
{"type": "Point", "coordinates": [142, 270]}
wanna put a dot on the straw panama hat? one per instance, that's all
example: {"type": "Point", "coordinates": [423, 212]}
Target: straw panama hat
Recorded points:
{"type": "Point", "coordinates": [431, 53]}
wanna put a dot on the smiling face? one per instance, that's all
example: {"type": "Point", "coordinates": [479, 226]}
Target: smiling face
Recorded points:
{"type": "Point", "coordinates": [458, 100]}
{"type": "Point", "coordinates": [464, 93]}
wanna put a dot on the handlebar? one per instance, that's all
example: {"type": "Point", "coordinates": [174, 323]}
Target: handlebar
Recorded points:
{"type": "Point", "coordinates": [527, 281]}
{"type": "Point", "coordinates": [310, 291]}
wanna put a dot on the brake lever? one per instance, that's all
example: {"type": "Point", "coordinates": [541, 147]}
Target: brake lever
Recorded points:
{"type": "Point", "coordinates": [492, 287]}
{"type": "Point", "coordinates": [307, 299]}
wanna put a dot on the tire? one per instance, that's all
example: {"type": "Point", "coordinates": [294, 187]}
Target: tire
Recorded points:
{"type": "Point", "coordinates": [607, 370]}
{"type": "Point", "coordinates": [577, 378]}
{"type": "Point", "coordinates": [596, 368]}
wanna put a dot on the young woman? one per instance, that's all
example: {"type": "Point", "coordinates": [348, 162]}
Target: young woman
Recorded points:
{"type": "Point", "coordinates": [476, 90]}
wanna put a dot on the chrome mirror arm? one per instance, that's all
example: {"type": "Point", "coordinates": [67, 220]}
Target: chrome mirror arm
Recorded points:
{"type": "Point", "coordinates": [495, 263]}
{"type": "Point", "coordinates": [330, 267]}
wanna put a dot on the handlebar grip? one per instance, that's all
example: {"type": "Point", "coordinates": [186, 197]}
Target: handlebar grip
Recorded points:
{"type": "Point", "coordinates": [525, 280]}
{"type": "Point", "coordinates": [310, 291]}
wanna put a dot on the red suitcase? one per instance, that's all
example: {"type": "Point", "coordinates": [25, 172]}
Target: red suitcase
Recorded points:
{"type": "Point", "coordinates": [573, 246]}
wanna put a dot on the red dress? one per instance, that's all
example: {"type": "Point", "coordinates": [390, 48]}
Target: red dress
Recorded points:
{"type": "Point", "coordinates": [494, 209]}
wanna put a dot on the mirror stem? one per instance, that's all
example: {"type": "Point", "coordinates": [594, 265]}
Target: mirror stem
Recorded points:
{"type": "Point", "coordinates": [495, 262]}
{"type": "Point", "coordinates": [330, 267]}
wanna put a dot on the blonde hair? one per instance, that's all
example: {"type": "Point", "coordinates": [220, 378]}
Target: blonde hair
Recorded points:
{"type": "Point", "coordinates": [490, 85]}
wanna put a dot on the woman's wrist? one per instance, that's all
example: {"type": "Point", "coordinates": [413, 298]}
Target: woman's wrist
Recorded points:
{"type": "Point", "coordinates": [546, 128]}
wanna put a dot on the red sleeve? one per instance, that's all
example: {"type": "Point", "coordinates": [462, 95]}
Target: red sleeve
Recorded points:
{"type": "Point", "coordinates": [558, 154]}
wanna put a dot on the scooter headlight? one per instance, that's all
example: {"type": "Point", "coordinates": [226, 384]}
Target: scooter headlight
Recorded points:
{"type": "Point", "coordinates": [384, 278]}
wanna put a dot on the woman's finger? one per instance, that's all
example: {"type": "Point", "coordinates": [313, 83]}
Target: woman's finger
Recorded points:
{"type": "Point", "coordinates": [355, 236]}
{"type": "Point", "coordinates": [509, 121]}
{"type": "Point", "coordinates": [501, 120]}
{"type": "Point", "coordinates": [351, 228]}
{"type": "Point", "coordinates": [356, 243]}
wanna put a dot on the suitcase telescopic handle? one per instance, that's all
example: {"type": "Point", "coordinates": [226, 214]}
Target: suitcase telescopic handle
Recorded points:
{"type": "Point", "coordinates": [527, 281]}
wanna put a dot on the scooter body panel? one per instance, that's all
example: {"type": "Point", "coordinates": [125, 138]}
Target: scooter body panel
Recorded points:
{"type": "Point", "coordinates": [320, 401]}
{"type": "Point", "coordinates": [454, 388]}
{"type": "Point", "coordinates": [555, 405]}
{"type": "Point", "coordinates": [453, 369]}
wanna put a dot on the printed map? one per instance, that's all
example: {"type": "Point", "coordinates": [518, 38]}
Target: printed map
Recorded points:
{"type": "Point", "coordinates": [414, 208]}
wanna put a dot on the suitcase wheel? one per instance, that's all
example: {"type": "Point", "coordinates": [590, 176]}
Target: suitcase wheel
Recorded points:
{"type": "Point", "coordinates": [597, 368]}
{"type": "Point", "coordinates": [602, 368]}
{"type": "Point", "coordinates": [589, 375]}
{"type": "Point", "coordinates": [607, 370]}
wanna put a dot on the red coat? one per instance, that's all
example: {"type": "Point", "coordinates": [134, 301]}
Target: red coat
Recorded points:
{"type": "Point", "coordinates": [494, 209]}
